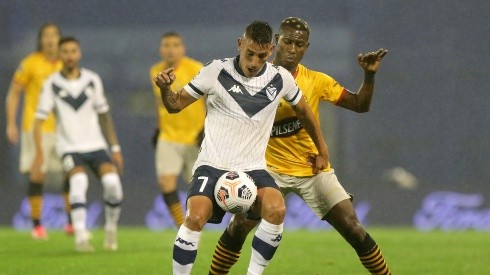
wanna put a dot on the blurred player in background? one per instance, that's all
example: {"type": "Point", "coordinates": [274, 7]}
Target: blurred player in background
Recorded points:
{"type": "Point", "coordinates": [28, 79]}
{"type": "Point", "coordinates": [291, 152]}
{"type": "Point", "coordinates": [177, 134]}
{"type": "Point", "coordinates": [84, 129]}
{"type": "Point", "coordinates": [242, 96]}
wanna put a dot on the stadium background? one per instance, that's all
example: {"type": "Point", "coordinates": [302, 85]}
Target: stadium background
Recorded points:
{"type": "Point", "coordinates": [429, 114]}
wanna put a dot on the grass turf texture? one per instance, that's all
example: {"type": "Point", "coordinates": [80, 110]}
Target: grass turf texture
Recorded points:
{"type": "Point", "coordinates": [301, 252]}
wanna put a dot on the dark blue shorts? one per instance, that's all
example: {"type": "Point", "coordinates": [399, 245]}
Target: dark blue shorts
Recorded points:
{"type": "Point", "coordinates": [92, 160]}
{"type": "Point", "coordinates": [205, 178]}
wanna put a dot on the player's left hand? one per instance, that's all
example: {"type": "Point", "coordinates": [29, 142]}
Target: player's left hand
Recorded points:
{"type": "Point", "coordinates": [318, 163]}
{"type": "Point", "coordinates": [165, 78]}
{"type": "Point", "coordinates": [371, 61]}
{"type": "Point", "coordinates": [117, 158]}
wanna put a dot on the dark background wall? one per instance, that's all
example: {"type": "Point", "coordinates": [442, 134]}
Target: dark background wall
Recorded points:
{"type": "Point", "coordinates": [429, 114]}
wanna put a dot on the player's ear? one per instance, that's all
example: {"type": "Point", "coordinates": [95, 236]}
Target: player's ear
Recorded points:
{"type": "Point", "coordinates": [239, 43]}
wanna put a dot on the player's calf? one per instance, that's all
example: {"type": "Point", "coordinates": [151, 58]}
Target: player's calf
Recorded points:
{"type": "Point", "coordinates": [187, 240]}
{"type": "Point", "coordinates": [228, 249]}
{"type": "Point", "coordinates": [269, 233]}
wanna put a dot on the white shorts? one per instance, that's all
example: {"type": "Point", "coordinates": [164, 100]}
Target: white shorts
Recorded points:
{"type": "Point", "coordinates": [52, 161]}
{"type": "Point", "coordinates": [175, 159]}
{"type": "Point", "coordinates": [321, 192]}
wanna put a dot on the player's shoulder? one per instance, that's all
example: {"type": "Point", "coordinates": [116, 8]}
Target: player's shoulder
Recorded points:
{"type": "Point", "coordinates": [190, 62]}
{"type": "Point", "coordinates": [285, 74]}
{"type": "Point", "coordinates": [90, 75]}
{"type": "Point", "coordinates": [32, 59]}
{"type": "Point", "coordinates": [157, 67]}
{"type": "Point", "coordinates": [306, 72]}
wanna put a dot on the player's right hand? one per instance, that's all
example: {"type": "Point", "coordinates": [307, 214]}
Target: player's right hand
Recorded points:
{"type": "Point", "coordinates": [164, 79]}
{"type": "Point", "coordinates": [318, 163]}
{"type": "Point", "coordinates": [13, 134]}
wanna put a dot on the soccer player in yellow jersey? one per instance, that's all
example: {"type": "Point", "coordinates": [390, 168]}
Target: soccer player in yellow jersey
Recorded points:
{"type": "Point", "coordinates": [178, 134]}
{"type": "Point", "coordinates": [28, 80]}
{"type": "Point", "coordinates": [291, 153]}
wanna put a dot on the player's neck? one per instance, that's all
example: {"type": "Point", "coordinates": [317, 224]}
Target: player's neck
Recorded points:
{"type": "Point", "coordinates": [167, 64]}
{"type": "Point", "coordinates": [71, 73]}
{"type": "Point", "coordinates": [292, 69]}
{"type": "Point", "coordinates": [50, 55]}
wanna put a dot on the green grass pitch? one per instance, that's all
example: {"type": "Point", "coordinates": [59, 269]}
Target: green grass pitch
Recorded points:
{"type": "Point", "coordinates": [142, 251]}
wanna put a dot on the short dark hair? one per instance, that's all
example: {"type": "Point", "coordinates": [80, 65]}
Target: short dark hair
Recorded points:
{"type": "Point", "coordinates": [41, 32]}
{"type": "Point", "coordinates": [67, 39]}
{"type": "Point", "coordinates": [260, 32]}
{"type": "Point", "coordinates": [294, 23]}
{"type": "Point", "coordinates": [171, 34]}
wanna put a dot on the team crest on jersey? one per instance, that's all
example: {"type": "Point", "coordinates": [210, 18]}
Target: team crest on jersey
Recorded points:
{"type": "Point", "coordinates": [271, 92]}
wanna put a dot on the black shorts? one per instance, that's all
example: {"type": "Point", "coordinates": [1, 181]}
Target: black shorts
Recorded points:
{"type": "Point", "coordinates": [204, 181]}
{"type": "Point", "coordinates": [92, 160]}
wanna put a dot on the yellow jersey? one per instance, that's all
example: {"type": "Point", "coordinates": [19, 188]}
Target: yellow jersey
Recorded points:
{"type": "Point", "coordinates": [290, 145]}
{"type": "Point", "coordinates": [185, 126]}
{"type": "Point", "coordinates": [31, 74]}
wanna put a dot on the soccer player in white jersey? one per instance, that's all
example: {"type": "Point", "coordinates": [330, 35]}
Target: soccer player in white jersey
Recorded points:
{"type": "Point", "coordinates": [242, 96]}
{"type": "Point", "coordinates": [84, 128]}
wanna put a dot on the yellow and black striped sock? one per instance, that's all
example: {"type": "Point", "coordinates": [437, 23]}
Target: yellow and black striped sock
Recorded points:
{"type": "Point", "coordinates": [226, 254]}
{"type": "Point", "coordinates": [172, 201]}
{"type": "Point", "coordinates": [66, 196]}
{"type": "Point", "coordinates": [35, 196]}
{"type": "Point", "coordinates": [373, 259]}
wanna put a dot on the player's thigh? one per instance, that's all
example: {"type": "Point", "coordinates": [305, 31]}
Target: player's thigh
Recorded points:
{"type": "Point", "coordinates": [202, 186]}
{"type": "Point", "coordinates": [168, 158]}
{"type": "Point", "coordinates": [269, 202]}
{"type": "Point", "coordinates": [322, 192]}
{"type": "Point", "coordinates": [27, 151]}
{"type": "Point", "coordinates": [101, 163]}
{"type": "Point", "coordinates": [73, 163]}
{"type": "Point", "coordinates": [190, 155]}
{"type": "Point", "coordinates": [51, 156]}
{"type": "Point", "coordinates": [285, 183]}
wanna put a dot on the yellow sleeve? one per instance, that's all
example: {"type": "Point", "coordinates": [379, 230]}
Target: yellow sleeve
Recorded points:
{"type": "Point", "coordinates": [331, 89]}
{"type": "Point", "coordinates": [23, 75]}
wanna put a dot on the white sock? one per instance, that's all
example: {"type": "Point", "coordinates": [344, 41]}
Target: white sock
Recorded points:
{"type": "Point", "coordinates": [113, 195]}
{"type": "Point", "coordinates": [78, 200]}
{"type": "Point", "coordinates": [265, 242]}
{"type": "Point", "coordinates": [185, 250]}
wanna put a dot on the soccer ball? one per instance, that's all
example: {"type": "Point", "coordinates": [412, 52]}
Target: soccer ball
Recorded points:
{"type": "Point", "coordinates": [235, 192]}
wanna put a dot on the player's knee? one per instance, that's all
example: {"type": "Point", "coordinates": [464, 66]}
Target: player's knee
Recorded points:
{"type": "Point", "coordinates": [354, 230]}
{"type": "Point", "coordinates": [240, 226]}
{"type": "Point", "coordinates": [274, 212]}
{"type": "Point", "coordinates": [112, 188]}
{"type": "Point", "coordinates": [195, 221]}
{"type": "Point", "coordinates": [78, 188]}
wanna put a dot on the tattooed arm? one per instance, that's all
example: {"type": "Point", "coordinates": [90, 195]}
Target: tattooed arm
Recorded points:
{"type": "Point", "coordinates": [174, 102]}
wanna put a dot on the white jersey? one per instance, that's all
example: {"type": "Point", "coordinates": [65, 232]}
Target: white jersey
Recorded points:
{"type": "Point", "coordinates": [240, 112]}
{"type": "Point", "coordinates": [76, 104]}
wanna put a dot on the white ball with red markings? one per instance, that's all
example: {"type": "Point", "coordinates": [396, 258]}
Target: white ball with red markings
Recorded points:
{"type": "Point", "coordinates": [235, 192]}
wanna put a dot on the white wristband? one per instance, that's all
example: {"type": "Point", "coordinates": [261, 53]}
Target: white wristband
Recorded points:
{"type": "Point", "coordinates": [115, 148]}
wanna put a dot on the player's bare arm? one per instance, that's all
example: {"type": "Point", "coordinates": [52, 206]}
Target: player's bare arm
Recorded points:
{"type": "Point", "coordinates": [312, 127]}
{"type": "Point", "coordinates": [361, 102]}
{"type": "Point", "coordinates": [174, 102]}
{"type": "Point", "coordinates": [110, 135]}
{"type": "Point", "coordinates": [11, 107]}
{"type": "Point", "coordinates": [36, 173]}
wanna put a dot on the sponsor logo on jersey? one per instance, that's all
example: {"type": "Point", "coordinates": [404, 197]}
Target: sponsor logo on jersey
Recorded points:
{"type": "Point", "coordinates": [235, 89]}
{"type": "Point", "coordinates": [286, 127]}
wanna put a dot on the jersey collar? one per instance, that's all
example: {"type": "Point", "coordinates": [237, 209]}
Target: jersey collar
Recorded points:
{"type": "Point", "coordinates": [239, 70]}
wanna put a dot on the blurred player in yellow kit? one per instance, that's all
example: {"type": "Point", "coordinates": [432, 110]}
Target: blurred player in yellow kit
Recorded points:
{"type": "Point", "coordinates": [177, 135]}
{"type": "Point", "coordinates": [28, 80]}
{"type": "Point", "coordinates": [291, 154]}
